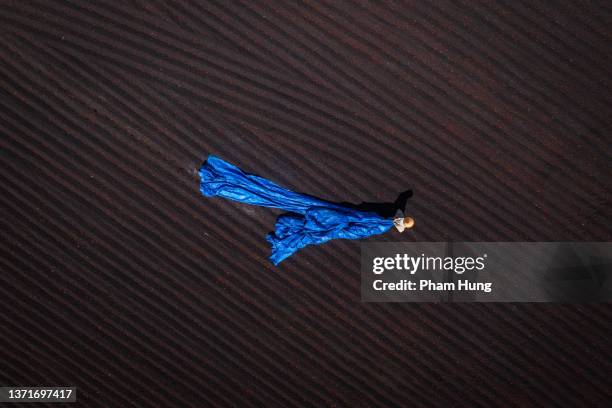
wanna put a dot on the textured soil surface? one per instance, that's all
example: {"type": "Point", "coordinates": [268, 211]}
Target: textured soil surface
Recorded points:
{"type": "Point", "coordinates": [118, 277]}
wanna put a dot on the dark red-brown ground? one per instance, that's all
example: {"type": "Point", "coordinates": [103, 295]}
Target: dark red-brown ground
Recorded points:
{"type": "Point", "coordinates": [119, 278]}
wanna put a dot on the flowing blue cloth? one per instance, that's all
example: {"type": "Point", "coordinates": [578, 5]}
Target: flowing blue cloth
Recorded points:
{"type": "Point", "coordinates": [309, 220]}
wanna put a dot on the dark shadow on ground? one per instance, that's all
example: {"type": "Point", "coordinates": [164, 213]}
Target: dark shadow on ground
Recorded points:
{"type": "Point", "coordinates": [386, 210]}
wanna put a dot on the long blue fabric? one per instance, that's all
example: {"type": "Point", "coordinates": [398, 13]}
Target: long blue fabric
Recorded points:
{"type": "Point", "coordinates": [309, 220]}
